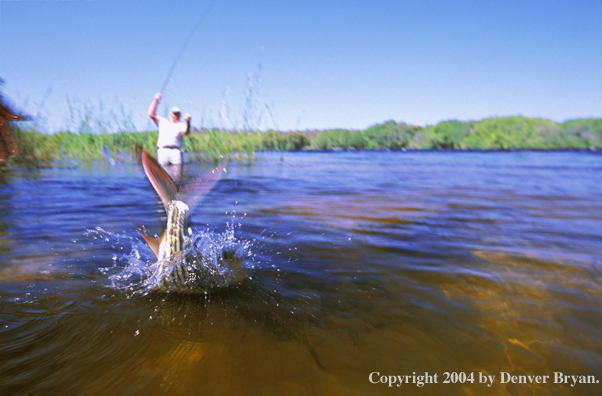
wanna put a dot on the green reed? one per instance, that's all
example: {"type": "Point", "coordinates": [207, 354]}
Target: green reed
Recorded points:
{"type": "Point", "coordinates": [213, 145]}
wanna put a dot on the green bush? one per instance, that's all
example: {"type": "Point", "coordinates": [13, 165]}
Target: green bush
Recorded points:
{"type": "Point", "coordinates": [583, 133]}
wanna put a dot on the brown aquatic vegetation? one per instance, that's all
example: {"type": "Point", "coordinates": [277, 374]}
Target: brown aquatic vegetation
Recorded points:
{"type": "Point", "coordinates": [8, 146]}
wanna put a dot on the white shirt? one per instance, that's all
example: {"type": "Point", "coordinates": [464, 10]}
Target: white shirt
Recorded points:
{"type": "Point", "coordinates": [170, 133]}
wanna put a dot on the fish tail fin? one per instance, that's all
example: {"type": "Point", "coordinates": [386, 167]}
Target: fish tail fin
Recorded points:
{"type": "Point", "coordinates": [153, 242]}
{"type": "Point", "coordinates": [162, 183]}
{"type": "Point", "coordinates": [194, 190]}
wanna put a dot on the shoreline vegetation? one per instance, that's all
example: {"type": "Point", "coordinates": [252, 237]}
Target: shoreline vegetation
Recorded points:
{"type": "Point", "coordinates": [500, 133]}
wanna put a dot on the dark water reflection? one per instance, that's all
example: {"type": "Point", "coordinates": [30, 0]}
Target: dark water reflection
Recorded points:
{"type": "Point", "coordinates": [361, 262]}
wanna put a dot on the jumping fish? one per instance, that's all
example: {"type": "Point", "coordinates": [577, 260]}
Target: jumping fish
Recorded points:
{"type": "Point", "coordinates": [174, 271]}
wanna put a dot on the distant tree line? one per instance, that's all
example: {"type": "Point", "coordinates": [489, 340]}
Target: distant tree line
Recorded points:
{"type": "Point", "coordinates": [491, 133]}
{"type": "Point", "coordinates": [210, 144]}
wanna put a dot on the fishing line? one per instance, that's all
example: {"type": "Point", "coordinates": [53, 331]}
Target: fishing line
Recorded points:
{"type": "Point", "coordinates": [175, 62]}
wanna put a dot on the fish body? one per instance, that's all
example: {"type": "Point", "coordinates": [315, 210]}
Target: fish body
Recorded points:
{"type": "Point", "coordinates": [180, 267]}
{"type": "Point", "coordinates": [177, 233]}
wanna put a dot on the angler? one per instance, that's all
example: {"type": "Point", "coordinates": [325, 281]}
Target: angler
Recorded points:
{"type": "Point", "coordinates": [169, 144]}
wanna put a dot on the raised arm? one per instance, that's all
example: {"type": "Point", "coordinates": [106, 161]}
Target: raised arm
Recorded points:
{"type": "Point", "coordinates": [187, 118]}
{"type": "Point", "coordinates": [153, 108]}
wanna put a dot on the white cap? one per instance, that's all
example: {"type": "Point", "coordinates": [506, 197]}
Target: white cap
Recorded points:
{"type": "Point", "coordinates": [175, 110]}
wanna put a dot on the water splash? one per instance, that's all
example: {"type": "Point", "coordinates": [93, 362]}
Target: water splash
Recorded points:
{"type": "Point", "coordinates": [213, 261]}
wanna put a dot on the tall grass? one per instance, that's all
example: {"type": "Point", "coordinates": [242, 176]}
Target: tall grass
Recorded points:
{"type": "Point", "coordinates": [39, 149]}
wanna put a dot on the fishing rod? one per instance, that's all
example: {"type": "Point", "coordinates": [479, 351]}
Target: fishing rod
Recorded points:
{"type": "Point", "coordinates": [175, 62]}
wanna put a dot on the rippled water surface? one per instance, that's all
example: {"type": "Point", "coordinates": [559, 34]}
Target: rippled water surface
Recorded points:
{"type": "Point", "coordinates": [396, 263]}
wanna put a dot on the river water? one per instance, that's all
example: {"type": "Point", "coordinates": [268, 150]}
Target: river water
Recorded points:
{"type": "Point", "coordinates": [359, 266]}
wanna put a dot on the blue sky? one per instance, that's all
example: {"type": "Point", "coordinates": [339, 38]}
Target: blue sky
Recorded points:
{"type": "Point", "coordinates": [314, 64]}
